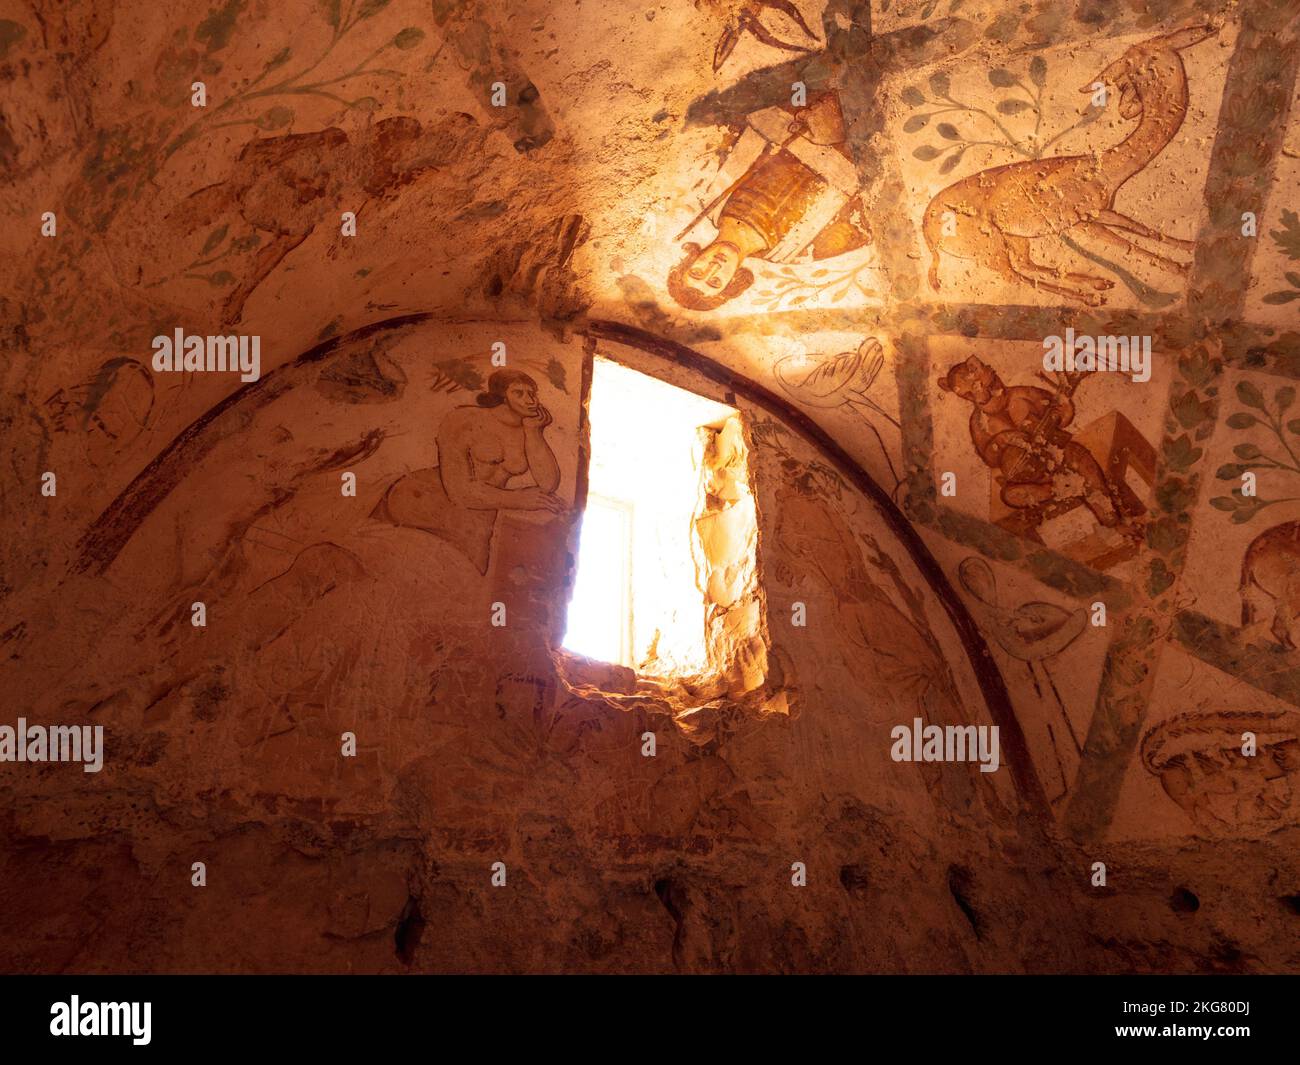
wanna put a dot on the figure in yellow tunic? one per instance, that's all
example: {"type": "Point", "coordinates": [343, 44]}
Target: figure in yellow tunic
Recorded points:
{"type": "Point", "coordinates": [787, 192]}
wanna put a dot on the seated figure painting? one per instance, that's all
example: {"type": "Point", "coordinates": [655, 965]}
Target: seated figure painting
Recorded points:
{"type": "Point", "coordinates": [482, 448]}
{"type": "Point", "coordinates": [1044, 468]}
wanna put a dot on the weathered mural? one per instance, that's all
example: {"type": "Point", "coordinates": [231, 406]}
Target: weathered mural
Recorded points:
{"type": "Point", "coordinates": [1005, 296]}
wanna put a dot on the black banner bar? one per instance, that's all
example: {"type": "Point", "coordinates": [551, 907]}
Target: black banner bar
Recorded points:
{"type": "Point", "coordinates": [215, 1014]}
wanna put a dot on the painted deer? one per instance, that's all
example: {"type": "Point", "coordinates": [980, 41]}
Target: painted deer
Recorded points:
{"type": "Point", "coordinates": [994, 214]}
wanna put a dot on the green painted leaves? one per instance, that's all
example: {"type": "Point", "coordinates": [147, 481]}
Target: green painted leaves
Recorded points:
{"type": "Point", "coordinates": [791, 288]}
{"type": "Point", "coordinates": [1285, 295]}
{"type": "Point", "coordinates": [980, 123]}
{"type": "Point", "coordinates": [1189, 409]}
{"type": "Point", "coordinates": [1240, 508]}
{"type": "Point", "coordinates": [10, 34]}
{"type": "Point", "coordinates": [214, 239]}
{"type": "Point", "coordinates": [1251, 456]}
{"type": "Point", "coordinates": [555, 374]}
{"type": "Point", "coordinates": [332, 12]}
{"type": "Point", "coordinates": [1250, 395]}
{"type": "Point", "coordinates": [279, 59]}
{"type": "Point", "coordinates": [1179, 454]}
{"type": "Point", "coordinates": [1288, 240]}
{"type": "Point", "coordinates": [1288, 237]}
{"type": "Point", "coordinates": [408, 38]}
{"type": "Point", "coordinates": [215, 31]}
{"type": "Point", "coordinates": [330, 9]}
{"type": "Point", "coordinates": [276, 118]}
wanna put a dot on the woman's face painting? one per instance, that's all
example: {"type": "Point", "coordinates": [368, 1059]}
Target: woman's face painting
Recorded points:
{"type": "Point", "coordinates": [522, 399]}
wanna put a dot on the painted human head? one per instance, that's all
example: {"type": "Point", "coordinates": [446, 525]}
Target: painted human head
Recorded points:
{"type": "Point", "coordinates": [972, 380]}
{"type": "Point", "coordinates": [709, 277]}
{"type": "Point", "coordinates": [512, 389]}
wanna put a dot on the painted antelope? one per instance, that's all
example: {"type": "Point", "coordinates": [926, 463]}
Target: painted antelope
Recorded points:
{"type": "Point", "coordinates": [994, 214]}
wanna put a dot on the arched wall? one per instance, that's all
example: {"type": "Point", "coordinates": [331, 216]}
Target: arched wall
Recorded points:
{"type": "Point", "coordinates": [324, 619]}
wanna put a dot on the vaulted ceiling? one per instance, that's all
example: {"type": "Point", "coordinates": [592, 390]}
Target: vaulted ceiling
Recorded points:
{"type": "Point", "coordinates": [864, 216]}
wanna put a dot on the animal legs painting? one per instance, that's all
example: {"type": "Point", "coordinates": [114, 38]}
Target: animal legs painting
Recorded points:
{"type": "Point", "coordinates": [993, 216]}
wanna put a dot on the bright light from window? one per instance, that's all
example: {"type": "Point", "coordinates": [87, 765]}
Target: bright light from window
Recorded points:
{"type": "Point", "coordinates": [599, 618]}
{"type": "Point", "coordinates": [637, 599]}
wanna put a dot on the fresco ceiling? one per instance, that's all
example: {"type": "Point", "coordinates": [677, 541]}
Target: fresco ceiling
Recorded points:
{"type": "Point", "coordinates": [875, 212]}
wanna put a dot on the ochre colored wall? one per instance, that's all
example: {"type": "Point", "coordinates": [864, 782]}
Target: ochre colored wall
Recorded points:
{"type": "Point", "coordinates": [553, 224]}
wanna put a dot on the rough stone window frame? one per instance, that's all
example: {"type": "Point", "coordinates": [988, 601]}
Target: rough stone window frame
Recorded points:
{"type": "Point", "coordinates": [745, 668]}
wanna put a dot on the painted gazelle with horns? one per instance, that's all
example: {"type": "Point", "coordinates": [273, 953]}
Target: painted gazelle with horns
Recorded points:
{"type": "Point", "coordinates": [993, 215]}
